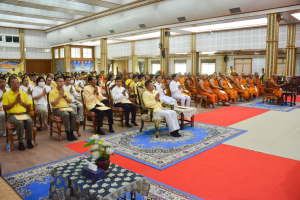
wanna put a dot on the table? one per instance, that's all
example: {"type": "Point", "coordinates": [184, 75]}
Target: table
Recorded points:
{"type": "Point", "coordinates": [68, 183]}
{"type": "Point", "coordinates": [186, 112]}
{"type": "Point", "coordinates": [285, 96]}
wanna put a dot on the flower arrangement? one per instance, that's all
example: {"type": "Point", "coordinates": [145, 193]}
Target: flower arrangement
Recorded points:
{"type": "Point", "coordinates": [100, 148]}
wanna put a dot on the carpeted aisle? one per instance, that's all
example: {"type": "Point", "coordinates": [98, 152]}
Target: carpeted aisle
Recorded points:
{"type": "Point", "coordinates": [228, 116]}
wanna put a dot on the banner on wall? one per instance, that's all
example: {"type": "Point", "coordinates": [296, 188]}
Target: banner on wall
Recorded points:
{"type": "Point", "coordinates": [10, 66]}
{"type": "Point", "coordinates": [79, 66]}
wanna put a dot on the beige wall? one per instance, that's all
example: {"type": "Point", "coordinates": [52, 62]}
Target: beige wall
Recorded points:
{"type": "Point", "coordinates": [120, 64]}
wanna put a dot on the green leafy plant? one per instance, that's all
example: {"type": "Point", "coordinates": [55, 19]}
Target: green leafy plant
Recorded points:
{"type": "Point", "coordinates": [100, 148]}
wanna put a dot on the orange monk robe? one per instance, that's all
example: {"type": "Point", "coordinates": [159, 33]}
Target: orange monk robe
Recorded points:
{"type": "Point", "coordinates": [220, 95]}
{"type": "Point", "coordinates": [181, 80]}
{"type": "Point", "coordinates": [275, 90]}
{"type": "Point", "coordinates": [211, 97]}
{"type": "Point", "coordinates": [250, 90]}
{"type": "Point", "coordinates": [252, 84]}
{"type": "Point", "coordinates": [192, 90]}
{"type": "Point", "coordinates": [260, 87]}
{"type": "Point", "coordinates": [244, 93]}
{"type": "Point", "coordinates": [232, 94]}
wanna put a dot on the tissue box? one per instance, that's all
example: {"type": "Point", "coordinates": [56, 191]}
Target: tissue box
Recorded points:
{"type": "Point", "coordinates": [94, 175]}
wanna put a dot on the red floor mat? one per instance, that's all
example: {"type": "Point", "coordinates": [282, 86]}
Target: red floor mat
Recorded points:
{"type": "Point", "coordinates": [227, 172]}
{"type": "Point", "coordinates": [228, 116]}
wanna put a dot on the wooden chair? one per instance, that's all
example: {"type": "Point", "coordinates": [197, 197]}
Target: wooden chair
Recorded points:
{"type": "Point", "coordinates": [10, 129]}
{"type": "Point", "coordinates": [116, 110]}
{"type": "Point", "coordinates": [58, 121]}
{"type": "Point", "coordinates": [87, 113]}
{"type": "Point", "coordinates": [135, 96]}
{"type": "Point", "coordinates": [37, 114]}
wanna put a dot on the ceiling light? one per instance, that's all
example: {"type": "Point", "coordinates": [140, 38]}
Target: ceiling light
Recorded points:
{"type": "Point", "coordinates": [296, 15]}
{"type": "Point", "coordinates": [209, 52]}
{"type": "Point", "coordinates": [145, 36]}
{"type": "Point", "coordinates": [230, 25]}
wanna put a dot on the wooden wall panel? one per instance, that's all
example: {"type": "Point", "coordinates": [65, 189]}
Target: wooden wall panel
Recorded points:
{"type": "Point", "coordinates": [38, 66]}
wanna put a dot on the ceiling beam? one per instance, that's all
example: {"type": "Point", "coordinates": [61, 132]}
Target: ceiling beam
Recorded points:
{"type": "Point", "coordinates": [26, 22]}
{"type": "Point", "coordinates": [34, 16]}
{"type": "Point", "coordinates": [46, 7]}
{"type": "Point", "coordinates": [99, 3]}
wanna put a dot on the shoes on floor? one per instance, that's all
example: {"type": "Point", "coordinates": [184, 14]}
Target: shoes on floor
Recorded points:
{"type": "Point", "coordinates": [21, 147]}
{"type": "Point", "coordinates": [100, 132]}
{"type": "Point", "coordinates": [111, 130]}
{"type": "Point", "coordinates": [128, 125]}
{"type": "Point", "coordinates": [175, 133]}
{"type": "Point", "coordinates": [29, 144]}
{"type": "Point", "coordinates": [134, 123]}
{"type": "Point", "coordinates": [72, 135]}
{"type": "Point", "coordinates": [81, 123]}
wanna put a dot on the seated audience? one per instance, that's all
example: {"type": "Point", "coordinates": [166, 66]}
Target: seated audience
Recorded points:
{"type": "Point", "coordinates": [214, 85]}
{"type": "Point", "coordinates": [76, 105]}
{"type": "Point", "coordinates": [176, 89]}
{"type": "Point", "coordinates": [204, 89]}
{"type": "Point", "coordinates": [190, 84]}
{"type": "Point", "coordinates": [2, 113]}
{"type": "Point", "coordinates": [161, 89]}
{"type": "Point", "coordinates": [16, 102]}
{"type": "Point", "coordinates": [93, 98]}
{"type": "Point", "coordinates": [60, 99]}
{"type": "Point", "coordinates": [248, 87]}
{"type": "Point", "coordinates": [39, 94]}
{"type": "Point", "coordinates": [226, 86]}
{"type": "Point", "coordinates": [120, 95]}
{"type": "Point", "coordinates": [250, 82]}
{"type": "Point", "coordinates": [274, 87]}
{"type": "Point", "coordinates": [238, 86]}
{"type": "Point", "coordinates": [257, 82]}
{"type": "Point", "coordinates": [110, 81]}
{"type": "Point", "coordinates": [152, 99]}
{"type": "Point", "coordinates": [132, 85]}
{"type": "Point", "coordinates": [33, 81]}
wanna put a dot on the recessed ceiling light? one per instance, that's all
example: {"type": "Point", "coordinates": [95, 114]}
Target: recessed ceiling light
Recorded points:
{"type": "Point", "coordinates": [209, 52]}
{"type": "Point", "coordinates": [296, 15]}
{"type": "Point", "coordinates": [230, 25]}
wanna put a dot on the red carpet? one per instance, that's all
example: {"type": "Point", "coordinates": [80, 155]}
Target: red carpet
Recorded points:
{"type": "Point", "coordinates": [228, 116]}
{"type": "Point", "coordinates": [224, 172]}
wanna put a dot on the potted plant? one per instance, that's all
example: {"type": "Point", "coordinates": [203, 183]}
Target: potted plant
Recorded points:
{"type": "Point", "coordinates": [101, 151]}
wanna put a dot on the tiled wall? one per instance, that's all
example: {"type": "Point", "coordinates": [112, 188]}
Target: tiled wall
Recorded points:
{"type": "Point", "coordinates": [180, 44]}
{"type": "Point", "coordinates": [147, 47]}
{"type": "Point", "coordinates": [33, 39]}
{"type": "Point", "coordinates": [121, 49]}
{"type": "Point", "coordinates": [97, 51]}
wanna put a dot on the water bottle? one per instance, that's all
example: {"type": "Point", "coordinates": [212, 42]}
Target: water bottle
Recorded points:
{"type": "Point", "coordinates": [7, 147]}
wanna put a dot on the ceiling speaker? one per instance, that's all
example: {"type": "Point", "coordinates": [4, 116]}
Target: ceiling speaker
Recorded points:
{"type": "Point", "coordinates": [112, 31]}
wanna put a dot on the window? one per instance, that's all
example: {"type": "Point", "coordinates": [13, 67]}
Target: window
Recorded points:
{"type": "Point", "coordinates": [281, 66]}
{"type": "Point", "coordinates": [12, 39]}
{"type": "Point", "coordinates": [243, 65]}
{"type": "Point", "coordinates": [75, 53]}
{"type": "Point", "coordinates": [1, 38]}
{"type": "Point", "coordinates": [208, 66]}
{"type": "Point", "coordinates": [180, 66]}
{"type": "Point", "coordinates": [56, 53]}
{"type": "Point", "coordinates": [155, 66]}
{"type": "Point", "coordinates": [87, 53]}
{"type": "Point", "coordinates": [62, 52]}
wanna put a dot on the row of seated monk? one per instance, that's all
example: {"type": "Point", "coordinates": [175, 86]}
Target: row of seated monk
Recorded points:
{"type": "Point", "coordinates": [38, 93]}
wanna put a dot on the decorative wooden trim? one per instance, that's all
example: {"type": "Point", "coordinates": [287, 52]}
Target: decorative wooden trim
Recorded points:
{"type": "Point", "coordinates": [243, 59]}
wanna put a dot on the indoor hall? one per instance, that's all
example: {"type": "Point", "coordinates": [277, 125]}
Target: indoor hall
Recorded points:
{"type": "Point", "coordinates": [149, 99]}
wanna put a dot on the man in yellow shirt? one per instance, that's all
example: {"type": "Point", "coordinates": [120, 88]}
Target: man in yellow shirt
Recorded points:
{"type": "Point", "coordinates": [132, 85]}
{"type": "Point", "coordinates": [60, 99]}
{"type": "Point", "coordinates": [141, 83]}
{"type": "Point", "coordinates": [20, 77]}
{"type": "Point", "coordinates": [230, 71]}
{"type": "Point", "coordinates": [93, 98]}
{"type": "Point", "coordinates": [16, 102]}
{"type": "Point", "coordinates": [152, 99]}
{"type": "Point", "coordinates": [33, 80]}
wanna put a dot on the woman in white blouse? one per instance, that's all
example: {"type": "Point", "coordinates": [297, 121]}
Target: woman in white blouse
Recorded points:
{"type": "Point", "coordinates": [39, 94]}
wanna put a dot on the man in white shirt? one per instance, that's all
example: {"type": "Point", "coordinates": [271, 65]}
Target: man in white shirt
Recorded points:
{"type": "Point", "coordinates": [39, 95]}
{"type": "Point", "coordinates": [120, 95]}
{"type": "Point", "coordinates": [176, 89]}
{"type": "Point", "coordinates": [2, 113]}
{"type": "Point", "coordinates": [161, 89]}
{"type": "Point", "coordinates": [79, 82]}
{"type": "Point", "coordinates": [76, 105]}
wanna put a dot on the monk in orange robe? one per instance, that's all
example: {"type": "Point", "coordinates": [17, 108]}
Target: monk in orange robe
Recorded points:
{"type": "Point", "coordinates": [250, 82]}
{"type": "Point", "coordinates": [226, 86]}
{"type": "Point", "coordinates": [181, 79]}
{"type": "Point", "coordinates": [275, 87]}
{"type": "Point", "coordinates": [204, 89]}
{"type": "Point", "coordinates": [250, 89]}
{"type": "Point", "coordinates": [258, 84]}
{"type": "Point", "coordinates": [214, 85]}
{"type": "Point", "coordinates": [190, 85]}
{"type": "Point", "coordinates": [238, 87]}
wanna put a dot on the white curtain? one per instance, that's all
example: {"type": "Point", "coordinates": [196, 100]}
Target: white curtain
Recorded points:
{"type": "Point", "coordinates": [208, 68]}
{"type": "Point", "coordinates": [180, 66]}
